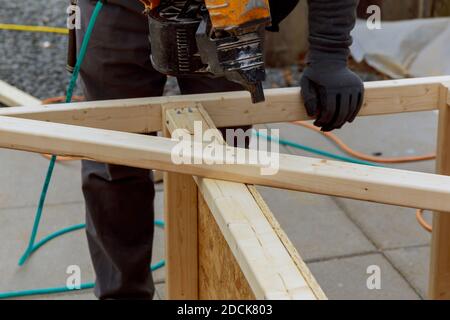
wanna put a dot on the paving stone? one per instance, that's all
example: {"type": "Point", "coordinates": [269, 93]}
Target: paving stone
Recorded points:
{"type": "Point", "coordinates": [315, 225]}
{"type": "Point", "coordinates": [413, 263]}
{"type": "Point", "coordinates": [161, 291]}
{"type": "Point", "coordinates": [346, 279]}
{"type": "Point", "coordinates": [22, 177]}
{"type": "Point", "coordinates": [47, 266]}
{"type": "Point", "coordinates": [387, 226]}
{"type": "Point", "coordinates": [391, 136]}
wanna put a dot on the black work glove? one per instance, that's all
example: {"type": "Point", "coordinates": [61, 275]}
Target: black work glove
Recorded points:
{"type": "Point", "coordinates": [332, 93]}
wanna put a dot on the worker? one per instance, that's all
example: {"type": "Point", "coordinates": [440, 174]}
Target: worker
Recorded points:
{"type": "Point", "coordinates": [120, 200]}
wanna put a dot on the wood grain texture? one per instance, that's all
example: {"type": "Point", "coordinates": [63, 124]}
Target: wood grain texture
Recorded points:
{"type": "Point", "coordinates": [296, 258]}
{"type": "Point", "coordinates": [181, 235]}
{"type": "Point", "coordinates": [220, 277]}
{"type": "Point", "coordinates": [11, 96]}
{"type": "Point", "coordinates": [439, 283]}
{"type": "Point", "coordinates": [248, 238]}
{"type": "Point", "coordinates": [231, 108]}
{"type": "Point", "coordinates": [383, 185]}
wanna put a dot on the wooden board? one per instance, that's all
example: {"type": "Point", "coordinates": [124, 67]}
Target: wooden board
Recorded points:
{"type": "Point", "coordinates": [232, 108]}
{"type": "Point", "coordinates": [219, 274]}
{"type": "Point", "coordinates": [181, 235]}
{"type": "Point", "coordinates": [248, 238]}
{"type": "Point", "coordinates": [220, 277]}
{"type": "Point", "coordinates": [296, 258]}
{"type": "Point", "coordinates": [383, 185]}
{"type": "Point", "coordinates": [439, 283]}
{"type": "Point", "coordinates": [11, 96]}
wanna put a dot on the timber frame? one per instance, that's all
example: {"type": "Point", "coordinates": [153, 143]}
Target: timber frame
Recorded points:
{"type": "Point", "coordinates": [222, 241]}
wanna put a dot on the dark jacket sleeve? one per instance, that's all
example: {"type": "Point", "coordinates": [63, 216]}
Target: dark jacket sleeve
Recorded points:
{"type": "Point", "coordinates": [330, 24]}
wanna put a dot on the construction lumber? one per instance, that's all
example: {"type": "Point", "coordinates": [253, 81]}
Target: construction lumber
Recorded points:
{"type": "Point", "coordinates": [232, 108]}
{"type": "Point", "coordinates": [181, 235]}
{"type": "Point", "coordinates": [296, 258]}
{"type": "Point", "coordinates": [220, 276]}
{"type": "Point", "coordinates": [383, 185]}
{"type": "Point", "coordinates": [235, 237]}
{"type": "Point", "coordinates": [439, 282]}
{"type": "Point", "coordinates": [11, 96]}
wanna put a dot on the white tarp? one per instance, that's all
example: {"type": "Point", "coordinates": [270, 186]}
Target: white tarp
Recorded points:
{"type": "Point", "coordinates": [410, 48]}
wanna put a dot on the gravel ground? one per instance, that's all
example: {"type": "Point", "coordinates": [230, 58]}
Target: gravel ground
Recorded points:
{"type": "Point", "coordinates": [35, 62]}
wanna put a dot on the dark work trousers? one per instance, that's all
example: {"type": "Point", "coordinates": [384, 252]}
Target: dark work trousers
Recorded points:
{"type": "Point", "coordinates": [119, 200]}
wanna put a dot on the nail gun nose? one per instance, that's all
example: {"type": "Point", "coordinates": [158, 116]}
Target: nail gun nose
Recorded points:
{"type": "Point", "coordinates": [257, 92]}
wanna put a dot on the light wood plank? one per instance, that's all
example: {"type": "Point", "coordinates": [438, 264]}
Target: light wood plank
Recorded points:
{"type": "Point", "coordinates": [439, 285]}
{"type": "Point", "coordinates": [383, 185]}
{"type": "Point", "coordinates": [219, 274]}
{"type": "Point", "coordinates": [260, 254]}
{"type": "Point", "coordinates": [11, 96]}
{"type": "Point", "coordinates": [232, 108]}
{"type": "Point", "coordinates": [181, 235]}
{"type": "Point", "coordinates": [220, 277]}
{"type": "Point", "coordinates": [296, 258]}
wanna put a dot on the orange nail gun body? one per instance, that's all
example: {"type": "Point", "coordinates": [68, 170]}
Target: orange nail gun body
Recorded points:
{"type": "Point", "coordinates": [217, 38]}
{"type": "Point", "coordinates": [233, 14]}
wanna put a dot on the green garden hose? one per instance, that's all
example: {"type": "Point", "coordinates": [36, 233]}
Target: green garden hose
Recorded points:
{"type": "Point", "coordinates": [51, 166]}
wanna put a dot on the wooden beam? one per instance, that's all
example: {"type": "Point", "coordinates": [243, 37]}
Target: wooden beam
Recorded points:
{"type": "Point", "coordinates": [220, 276]}
{"type": "Point", "coordinates": [232, 108]}
{"type": "Point", "coordinates": [439, 284]}
{"type": "Point", "coordinates": [383, 185]}
{"type": "Point", "coordinates": [296, 258]}
{"type": "Point", "coordinates": [11, 96]}
{"type": "Point", "coordinates": [181, 236]}
{"type": "Point", "coordinates": [248, 238]}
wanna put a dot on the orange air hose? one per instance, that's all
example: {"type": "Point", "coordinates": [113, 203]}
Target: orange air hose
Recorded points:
{"type": "Point", "coordinates": [344, 147]}
{"type": "Point", "coordinates": [422, 222]}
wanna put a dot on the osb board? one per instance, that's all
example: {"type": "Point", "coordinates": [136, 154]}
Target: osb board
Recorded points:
{"type": "Point", "coordinates": [220, 277]}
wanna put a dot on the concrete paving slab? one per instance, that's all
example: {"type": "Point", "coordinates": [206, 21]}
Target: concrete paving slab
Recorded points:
{"type": "Point", "coordinates": [161, 291]}
{"type": "Point", "coordinates": [409, 134]}
{"type": "Point", "coordinates": [22, 177]}
{"type": "Point", "coordinates": [316, 226]}
{"type": "Point", "coordinates": [46, 267]}
{"type": "Point", "coordinates": [391, 136]}
{"type": "Point", "coordinates": [413, 263]}
{"type": "Point", "coordinates": [346, 279]}
{"type": "Point", "coordinates": [387, 226]}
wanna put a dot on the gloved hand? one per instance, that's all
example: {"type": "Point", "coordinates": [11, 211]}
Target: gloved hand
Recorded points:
{"type": "Point", "coordinates": [332, 93]}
